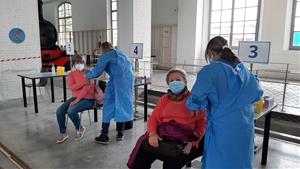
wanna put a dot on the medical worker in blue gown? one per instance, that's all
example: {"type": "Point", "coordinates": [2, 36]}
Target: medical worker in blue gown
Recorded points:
{"type": "Point", "coordinates": [118, 97]}
{"type": "Point", "coordinates": [226, 89]}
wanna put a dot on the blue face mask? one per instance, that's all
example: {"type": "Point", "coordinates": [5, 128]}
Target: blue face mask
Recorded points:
{"type": "Point", "coordinates": [176, 87]}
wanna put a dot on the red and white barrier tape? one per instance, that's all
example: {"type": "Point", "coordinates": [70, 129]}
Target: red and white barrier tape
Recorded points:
{"type": "Point", "coordinates": [18, 59]}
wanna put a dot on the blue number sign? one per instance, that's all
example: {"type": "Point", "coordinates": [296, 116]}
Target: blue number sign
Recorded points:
{"type": "Point", "coordinates": [253, 51]}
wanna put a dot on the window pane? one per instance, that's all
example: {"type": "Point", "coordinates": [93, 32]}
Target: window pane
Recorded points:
{"type": "Point", "coordinates": [226, 15]}
{"type": "Point", "coordinates": [216, 16]}
{"type": "Point", "coordinates": [212, 36]}
{"type": "Point", "coordinates": [61, 29]}
{"type": "Point", "coordinates": [68, 6]}
{"type": "Point", "coordinates": [68, 28]}
{"type": "Point", "coordinates": [114, 6]}
{"type": "Point", "coordinates": [114, 16]}
{"type": "Point", "coordinates": [239, 14]}
{"type": "Point", "coordinates": [215, 28]}
{"type": "Point", "coordinates": [225, 28]}
{"type": "Point", "coordinates": [238, 27]}
{"type": "Point", "coordinates": [250, 26]}
{"type": "Point", "coordinates": [69, 21]}
{"type": "Point", "coordinates": [114, 24]}
{"type": "Point", "coordinates": [236, 39]}
{"type": "Point", "coordinates": [61, 14]}
{"type": "Point", "coordinates": [61, 7]}
{"type": "Point", "coordinates": [251, 13]}
{"type": "Point", "coordinates": [115, 33]}
{"type": "Point", "coordinates": [296, 39]}
{"type": "Point", "coordinates": [249, 37]}
{"type": "Point", "coordinates": [68, 13]}
{"type": "Point", "coordinates": [239, 3]}
{"type": "Point", "coordinates": [61, 22]}
{"type": "Point", "coordinates": [227, 38]}
{"type": "Point", "coordinates": [216, 4]}
{"type": "Point", "coordinates": [226, 4]}
{"type": "Point", "coordinates": [252, 3]}
{"type": "Point", "coordinates": [297, 24]}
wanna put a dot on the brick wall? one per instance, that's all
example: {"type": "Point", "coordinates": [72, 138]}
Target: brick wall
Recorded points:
{"type": "Point", "coordinates": [18, 58]}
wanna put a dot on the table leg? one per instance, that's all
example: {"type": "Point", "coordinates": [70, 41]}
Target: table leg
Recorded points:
{"type": "Point", "coordinates": [266, 138]}
{"type": "Point", "coordinates": [24, 92]}
{"type": "Point", "coordinates": [34, 96]}
{"type": "Point", "coordinates": [145, 102]}
{"type": "Point", "coordinates": [65, 88]}
{"type": "Point", "coordinates": [95, 115]}
{"type": "Point", "coordinates": [52, 90]}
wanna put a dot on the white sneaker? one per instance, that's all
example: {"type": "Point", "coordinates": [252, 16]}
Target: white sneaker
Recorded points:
{"type": "Point", "coordinates": [80, 133]}
{"type": "Point", "coordinates": [63, 138]}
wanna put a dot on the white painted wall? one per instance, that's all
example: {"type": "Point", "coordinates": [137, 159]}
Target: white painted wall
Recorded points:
{"type": "Point", "coordinates": [18, 58]}
{"type": "Point", "coordinates": [186, 30]}
{"type": "Point", "coordinates": [86, 14]}
{"type": "Point", "coordinates": [278, 30]}
{"type": "Point", "coordinates": [275, 30]}
{"type": "Point", "coordinates": [125, 27]}
{"type": "Point", "coordinates": [134, 17]}
{"type": "Point", "coordinates": [164, 12]}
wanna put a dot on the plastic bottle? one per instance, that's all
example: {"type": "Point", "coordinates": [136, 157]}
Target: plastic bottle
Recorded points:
{"type": "Point", "coordinates": [53, 69]}
{"type": "Point", "coordinates": [259, 106]}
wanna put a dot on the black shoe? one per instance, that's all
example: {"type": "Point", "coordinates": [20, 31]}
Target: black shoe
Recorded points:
{"type": "Point", "coordinates": [120, 136]}
{"type": "Point", "coordinates": [102, 139]}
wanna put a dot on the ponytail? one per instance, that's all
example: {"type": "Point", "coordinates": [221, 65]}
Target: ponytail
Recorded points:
{"type": "Point", "coordinates": [228, 55]}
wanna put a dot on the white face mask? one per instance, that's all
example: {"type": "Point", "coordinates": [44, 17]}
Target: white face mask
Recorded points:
{"type": "Point", "coordinates": [79, 67]}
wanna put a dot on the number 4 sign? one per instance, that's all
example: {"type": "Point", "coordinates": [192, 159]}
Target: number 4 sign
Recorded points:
{"type": "Point", "coordinates": [254, 52]}
{"type": "Point", "coordinates": [136, 50]}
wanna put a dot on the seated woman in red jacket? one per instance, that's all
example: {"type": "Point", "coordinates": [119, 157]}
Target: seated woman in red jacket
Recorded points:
{"type": "Point", "coordinates": [171, 107]}
{"type": "Point", "coordinates": [83, 95]}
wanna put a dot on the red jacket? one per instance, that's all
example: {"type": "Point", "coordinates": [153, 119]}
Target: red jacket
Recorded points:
{"type": "Point", "coordinates": [77, 84]}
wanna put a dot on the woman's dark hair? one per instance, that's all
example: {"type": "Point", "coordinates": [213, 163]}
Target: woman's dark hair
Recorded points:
{"type": "Point", "coordinates": [76, 59]}
{"type": "Point", "coordinates": [106, 46]}
{"type": "Point", "coordinates": [219, 45]}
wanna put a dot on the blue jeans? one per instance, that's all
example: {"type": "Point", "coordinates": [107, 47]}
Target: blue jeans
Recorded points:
{"type": "Point", "coordinates": [72, 111]}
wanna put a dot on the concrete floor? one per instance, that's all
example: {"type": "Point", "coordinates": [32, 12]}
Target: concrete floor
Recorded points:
{"type": "Point", "coordinates": [32, 137]}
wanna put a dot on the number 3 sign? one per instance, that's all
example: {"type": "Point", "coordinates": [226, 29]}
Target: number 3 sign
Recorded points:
{"type": "Point", "coordinates": [254, 52]}
{"type": "Point", "coordinates": [136, 50]}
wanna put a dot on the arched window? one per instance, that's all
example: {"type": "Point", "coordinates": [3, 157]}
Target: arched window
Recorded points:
{"type": "Point", "coordinates": [295, 28]}
{"type": "Point", "coordinates": [65, 23]}
{"type": "Point", "coordinates": [235, 20]}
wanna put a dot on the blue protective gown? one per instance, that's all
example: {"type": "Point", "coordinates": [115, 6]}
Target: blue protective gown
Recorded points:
{"type": "Point", "coordinates": [227, 93]}
{"type": "Point", "coordinates": [118, 97]}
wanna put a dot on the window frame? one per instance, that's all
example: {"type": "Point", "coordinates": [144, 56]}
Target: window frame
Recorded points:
{"type": "Point", "coordinates": [70, 39]}
{"type": "Point", "coordinates": [232, 22]}
{"type": "Point", "coordinates": [293, 19]}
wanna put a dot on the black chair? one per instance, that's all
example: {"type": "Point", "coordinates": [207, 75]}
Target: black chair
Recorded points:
{"type": "Point", "coordinates": [42, 83]}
